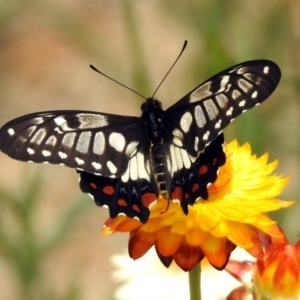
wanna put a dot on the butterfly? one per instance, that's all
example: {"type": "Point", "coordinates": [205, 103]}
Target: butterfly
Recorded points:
{"type": "Point", "coordinates": [126, 162]}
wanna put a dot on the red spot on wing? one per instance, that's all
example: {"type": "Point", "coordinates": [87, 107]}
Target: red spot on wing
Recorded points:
{"type": "Point", "coordinates": [177, 193]}
{"type": "Point", "coordinates": [186, 195]}
{"type": "Point", "coordinates": [195, 187]}
{"type": "Point", "coordinates": [214, 161]}
{"type": "Point", "coordinates": [148, 198]}
{"type": "Point", "coordinates": [122, 202]}
{"type": "Point", "coordinates": [136, 208]}
{"type": "Point", "coordinates": [93, 185]}
{"type": "Point", "coordinates": [108, 190]}
{"type": "Point", "coordinates": [203, 169]}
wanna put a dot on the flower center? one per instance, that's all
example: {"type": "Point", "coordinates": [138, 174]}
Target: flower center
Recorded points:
{"type": "Point", "coordinates": [223, 179]}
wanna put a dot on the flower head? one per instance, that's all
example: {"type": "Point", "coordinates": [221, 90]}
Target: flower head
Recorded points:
{"type": "Point", "coordinates": [233, 215]}
{"type": "Point", "coordinates": [275, 277]}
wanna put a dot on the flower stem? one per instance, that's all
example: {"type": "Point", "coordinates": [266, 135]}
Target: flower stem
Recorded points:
{"type": "Point", "coordinates": [195, 283]}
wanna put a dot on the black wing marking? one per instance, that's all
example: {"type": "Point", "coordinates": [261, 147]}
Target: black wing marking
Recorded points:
{"type": "Point", "coordinates": [94, 142]}
{"type": "Point", "coordinates": [202, 114]}
{"type": "Point", "coordinates": [131, 194]}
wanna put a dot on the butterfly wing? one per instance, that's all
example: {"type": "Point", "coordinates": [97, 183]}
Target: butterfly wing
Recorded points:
{"type": "Point", "coordinates": [131, 194]}
{"type": "Point", "coordinates": [94, 142]}
{"type": "Point", "coordinates": [190, 176]}
{"type": "Point", "coordinates": [200, 116]}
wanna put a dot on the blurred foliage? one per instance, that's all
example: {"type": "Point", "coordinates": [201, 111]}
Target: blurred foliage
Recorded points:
{"type": "Point", "coordinates": [23, 248]}
{"type": "Point", "coordinates": [45, 48]}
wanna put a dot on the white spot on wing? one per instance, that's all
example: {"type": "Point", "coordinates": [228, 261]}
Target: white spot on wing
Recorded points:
{"type": "Point", "coordinates": [91, 120]}
{"type": "Point", "coordinates": [62, 155]}
{"type": "Point", "coordinates": [185, 158]}
{"type": "Point", "coordinates": [58, 130]}
{"type": "Point", "coordinates": [96, 165]}
{"type": "Point", "coordinates": [59, 120]}
{"type": "Point", "coordinates": [137, 168]}
{"type": "Point", "coordinates": [117, 141]}
{"type": "Point", "coordinates": [186, 121]}
{"type": "Point", "coordinates": [218, 124]}
{"type": "Point", "coordinates": [10, 131]}
{"type": "Point", "coordinates": [242, 103]}
{"type": "Point", "coordinates": [206, 135]}
{"type": "Point", "coordinates": [130, 148]}
{"type": "Point", "coordinates": [254, 94]}
{"type": "Point", "coordinates": [30, 151]}
{"type": "Point", "coordinates": [141, 166]}
{"type": "Point", "coordinates": [39, 136]}
{"type": "Point", "coordinates": [112, 168]}
{"type": "Point", "coordinates": [244, 85]}
{"type": "Point", "coordinates": [177, 141]}
{"type": "Point", "coordinates": [125, 176]}
{"type": "Point", "coordinates": [236, 93]}
{"type": "Point", "coordinates": [68, 139]}
{"type": "Point", "coordinates": [83, 142]}
{"type": "Point", "coordinates": [38, 120]}
{"type": "Point", "coordinates": [196, 144]}
{"type": "Point", "coordinates": [46, 153]}
{"type": "Point", "coordinates": [201, 92]}
{"type": "Point", "coordinates": [178, 159]}
{"type": "Point", "coordinates": [99, 143]}
{"type": "Point", "coordinates": [266, 70]}
{"type": "Point", "coordinates": [223, 83]}
{"type": "Point", "coordinates": [222, 100]}
{"type": "Point", "coordinates": [229, 111]}
{"type": "Point", "coordinates": [211, 109]}
{"type": "Point", "coordinates": [79, 161]}
{"type": "Point", "coordinates": [178, 133]}
{"type": "Point", "coordinates": [199, 116]}
{"type": "Point", "coordinates": [51, 140]}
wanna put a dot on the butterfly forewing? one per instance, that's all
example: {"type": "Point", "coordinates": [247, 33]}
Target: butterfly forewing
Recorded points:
{"type": "Point", "coordinates": [94, 142]}
{"type": "Point", "coordinates": [203, 113]}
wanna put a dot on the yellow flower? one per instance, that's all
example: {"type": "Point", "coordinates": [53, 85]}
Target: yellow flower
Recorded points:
{"type": "Point", "coordinates": [234, 215]}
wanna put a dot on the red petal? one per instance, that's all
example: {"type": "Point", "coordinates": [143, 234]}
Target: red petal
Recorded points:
{"type": "Point", "coordinates": [140, 242]}
{"type": "Point", "coordinates": [188, 256]}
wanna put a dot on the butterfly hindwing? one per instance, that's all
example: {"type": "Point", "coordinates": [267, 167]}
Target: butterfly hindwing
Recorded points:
{"type": "Point", "coordinates": [190, 181]}
{"type": "Point", "coordinates": [202, 114]}
{"type": "Point", "coordinates": [94, 142]}
{"type": "Point", "coordinates": [131, 194]}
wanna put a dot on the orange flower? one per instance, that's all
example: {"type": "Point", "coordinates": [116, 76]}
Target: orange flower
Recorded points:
{"type": "Point", "coordinates": [233, 215]}
{"type": "Point", "coordinates": [277, 276]}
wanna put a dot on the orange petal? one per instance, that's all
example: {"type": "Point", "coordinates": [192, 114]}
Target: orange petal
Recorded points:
{"type": "Point", "coordinates": [216, 251]}
{"type": "Point", "coordinates": [167, 243]}
{"type": "Point", "coordinates": [140, 242]}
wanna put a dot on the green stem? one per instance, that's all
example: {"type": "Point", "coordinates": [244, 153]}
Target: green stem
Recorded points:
{"type": "Point", "coordinates": [195, 283]}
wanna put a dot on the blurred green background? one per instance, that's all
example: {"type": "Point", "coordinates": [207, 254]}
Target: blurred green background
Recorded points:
{"type": "Point", "coordinates": [50, 242]}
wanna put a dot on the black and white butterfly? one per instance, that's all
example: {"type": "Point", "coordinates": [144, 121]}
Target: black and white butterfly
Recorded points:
{"type": "Point", "coordinates": [126, 162]}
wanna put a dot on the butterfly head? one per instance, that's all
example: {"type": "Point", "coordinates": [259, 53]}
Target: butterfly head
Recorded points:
{"type": "Point", "coordinates": [151, 105]}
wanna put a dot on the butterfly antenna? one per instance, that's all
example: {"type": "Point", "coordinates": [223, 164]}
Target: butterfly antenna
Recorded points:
{"type": "Point", "coordinates": [126, 87]}
{"type": "Point", "coordinates": [183, 47]}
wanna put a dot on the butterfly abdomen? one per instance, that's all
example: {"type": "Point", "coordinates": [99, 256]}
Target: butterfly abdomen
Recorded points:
{"type": "Point", "coordinates": [159, 166]}
{"type": "Point", "coordinates": [153, 118]}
